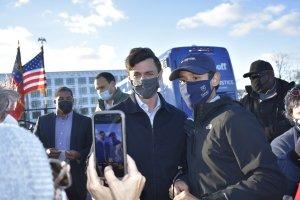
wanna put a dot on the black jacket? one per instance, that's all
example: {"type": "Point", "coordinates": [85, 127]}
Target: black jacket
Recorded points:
{"type": "Point", "coordinates": [270, 112]}
{"type": "Point", "coordinates": [157, 150]}
{"type": "Point", "coordinates": [81, 141]}
{"type": "Point", "coordinates": [229, 157]}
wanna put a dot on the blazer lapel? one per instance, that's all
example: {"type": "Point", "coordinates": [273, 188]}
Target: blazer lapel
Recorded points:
{"type": "Point", "coordinates": [74, 131]}
{"type": "Point", "coordinates": [52, 130]}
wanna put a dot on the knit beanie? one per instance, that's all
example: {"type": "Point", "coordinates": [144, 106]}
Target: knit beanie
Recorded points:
{"type": "Point", "coordinates": [25, 172]}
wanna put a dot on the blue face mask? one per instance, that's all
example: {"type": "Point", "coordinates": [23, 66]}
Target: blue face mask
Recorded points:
{"type": "Point", "coordinates": [194, 93]}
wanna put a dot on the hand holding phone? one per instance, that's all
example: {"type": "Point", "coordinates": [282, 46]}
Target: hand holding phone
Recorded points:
{"type": "Point", "coordinates": [130, 187]}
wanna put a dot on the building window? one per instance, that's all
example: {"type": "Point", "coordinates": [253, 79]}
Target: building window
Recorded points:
{"type": "Point", "coordinates": [82, 80]}
{"type": "Point", "coordinates": [59, 81]}
{"type": "Point", "coordinates": [48, 81]}
{"type": "Point", "coordinates": [91, 80]}
{"type": "Point", "coordinates": [49, 93]}
{"type": "Point", "coordinates": [73, 91]}
{"type": "Point", "coordinates": [82, 101]}
{"type": "Point", "coordinates": [92, 90]}
{"type": "Point", "coordinates": [36, 104]}
{"type": "Point", "coordinates": [35, 94]}
{"type": "Point", "coordinates": [84, 111]}
{"type": "Point", "coordinates": [83, 90]}
{"type": "Point", "coordinates": [36, 114]}
{"type": "Point", "coordinates": [94, 100]}
{"type": "Point", "coordinates": [70, 81]}
{"type": "Point", "coordinates": [50, 104]}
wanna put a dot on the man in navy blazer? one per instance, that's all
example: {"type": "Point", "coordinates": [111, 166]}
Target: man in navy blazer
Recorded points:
{"type": "Point", "coordinates": [67, 135]}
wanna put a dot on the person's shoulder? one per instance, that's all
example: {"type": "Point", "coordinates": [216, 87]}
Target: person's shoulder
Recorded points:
{"type": "Point", "coordinates": [123, 104]}
{"type": "Point", "coordinates": [285, 137]}
{"type": "Point", "coordinates": [174, 110]}
{"type": "Point", "coordinates": [284, 86]}
{"type": "Point", "coordinates": [47, 116]}
{"type": "Point", "coordinates": [82, 117]}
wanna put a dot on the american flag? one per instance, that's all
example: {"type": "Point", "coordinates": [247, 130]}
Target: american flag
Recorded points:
{"type": "Point", "coordinates": [34, 74]}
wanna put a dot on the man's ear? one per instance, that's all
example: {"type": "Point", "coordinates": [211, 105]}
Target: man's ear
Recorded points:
{"type": "Point", "coordinates": [215, 81]}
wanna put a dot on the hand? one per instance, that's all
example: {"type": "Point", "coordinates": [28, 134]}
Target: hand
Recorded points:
{"type": "Point", "coordinates": [130, 187]}
{"type": "Point", "coordinates": [178, 187]}
{"type": "Point", "coordinates": [53, 153]}
{"type": "Point", "coordinates": [72, 155]}
{"type": "Point", "coordinates": [94, 184]}
{"type": "Point", "coordinates": [297, 147]}
{"type": "Point", "coordinates": [185, 195]}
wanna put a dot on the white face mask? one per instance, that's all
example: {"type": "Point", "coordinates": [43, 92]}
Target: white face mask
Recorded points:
{"type": "Point", "coordinates": [104, 95]}
{"type": "Point", "coordinates": [10, 120]}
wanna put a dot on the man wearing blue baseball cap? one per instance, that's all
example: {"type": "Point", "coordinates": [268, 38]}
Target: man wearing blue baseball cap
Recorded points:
{"type": "Point", "coordinates": [228, 155]}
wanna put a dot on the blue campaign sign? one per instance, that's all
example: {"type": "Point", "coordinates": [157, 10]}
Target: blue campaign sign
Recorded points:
{"type": "Point", "coordinates": [171, 59]}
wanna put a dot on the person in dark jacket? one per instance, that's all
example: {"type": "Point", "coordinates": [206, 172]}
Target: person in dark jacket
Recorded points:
{"type": "Point", "coordinates": [287, 146]}
{"type": "Point", "coordinates": [265, 98]}
{"type": "Point", "coordinates": [108, 94]}
{"type": "Point", "coordinates": [67, 135]}
{"type": "Point", "coordinates": [228, 155]}
{"type": "Point", "coordinates": [155, 135]}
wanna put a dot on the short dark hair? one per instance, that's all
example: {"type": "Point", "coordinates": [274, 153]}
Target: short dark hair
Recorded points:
{"type": "Point", "coordinates": [139, 54]}
{"type": "Point", "coordinates": [291, 101]}
{"type": "Point", "coordinates": [63, 89]}
{"type": "Point", "coordinates": [108, 76]}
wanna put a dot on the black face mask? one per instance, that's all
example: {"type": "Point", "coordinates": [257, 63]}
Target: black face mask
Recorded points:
{"type": "Point", "coordinates": [262, 83]}
{"type": "Point", "coordinates": [65, 106]}
{"type": "Point", "coordinates": [147, 88]}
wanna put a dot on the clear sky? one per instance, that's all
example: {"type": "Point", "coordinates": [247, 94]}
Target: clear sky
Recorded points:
{"type": "Point", "coordinates": [98, 34]}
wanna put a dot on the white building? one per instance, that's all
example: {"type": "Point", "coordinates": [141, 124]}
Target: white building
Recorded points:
{"type": "Point", "coordinates": [80, 82]}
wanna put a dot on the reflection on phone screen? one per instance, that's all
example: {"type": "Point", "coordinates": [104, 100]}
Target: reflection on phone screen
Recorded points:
{"type": "Point", "coordinates": [109, 144]}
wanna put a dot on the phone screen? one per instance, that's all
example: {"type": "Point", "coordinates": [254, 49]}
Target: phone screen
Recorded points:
{"type": "Point", "coordinates": [109, 143]}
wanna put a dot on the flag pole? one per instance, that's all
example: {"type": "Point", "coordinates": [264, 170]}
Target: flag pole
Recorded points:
{"type": "Point", "coordinates": [42, 40]}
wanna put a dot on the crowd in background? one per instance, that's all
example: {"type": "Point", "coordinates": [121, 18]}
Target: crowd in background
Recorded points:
{"type": "Point", "coordinates": [229, 151]}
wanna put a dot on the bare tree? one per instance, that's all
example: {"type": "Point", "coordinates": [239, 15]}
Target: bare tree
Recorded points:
{"type": "Point", "coordinates": [282, 64]}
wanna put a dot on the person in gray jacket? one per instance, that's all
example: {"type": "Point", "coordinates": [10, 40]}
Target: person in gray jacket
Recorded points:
{"type": "Point", "coordinates": [228, 156]}
{"type": "Point", "coordinates": [287, 146]}
{"type": "Point", "coordinates": [108, 94]}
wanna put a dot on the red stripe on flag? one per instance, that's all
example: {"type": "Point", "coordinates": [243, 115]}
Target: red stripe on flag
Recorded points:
{"type": "Point", "coordinates": [35, 81]}
{"type": "Point", "coordinates": [33, 88]}
{"type": "Point", "coordinates": [32, 74]}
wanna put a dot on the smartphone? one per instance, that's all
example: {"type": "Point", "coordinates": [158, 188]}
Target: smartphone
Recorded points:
{"type": "Point", "coordinates": [109, 140]}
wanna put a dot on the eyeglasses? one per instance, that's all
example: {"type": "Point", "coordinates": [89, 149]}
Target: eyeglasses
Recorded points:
{"type": "Point", "coordinates": [61, 173]}
{"type": "Point", "coordinates": [295, 92]}
{"type": "Point", "coordinates": [258, 75]}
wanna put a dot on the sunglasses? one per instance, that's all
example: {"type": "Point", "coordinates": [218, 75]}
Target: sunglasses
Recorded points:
{"type": "Point", "coordinates": [258, 75]}
{"type": "Point", "coordinates": [295, 92]}
{"type": "Point", "coordinates": [61, 173]}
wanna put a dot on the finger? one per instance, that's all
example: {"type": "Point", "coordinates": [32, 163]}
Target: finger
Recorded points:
{"type": "Point", "coordinates": [91, 170]}
{"type": "Point", "coordinates": [180, 196]}
{"type": "Point", "coordinates": [132, 169]}
{"type": "Point", "coordinates": [110, 175]}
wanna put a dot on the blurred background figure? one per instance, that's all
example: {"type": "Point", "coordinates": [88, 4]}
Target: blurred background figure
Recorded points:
{"type": "Point", "coordinates": [8, 100]}
{"type": "Point", "coordinates": [287, 146]}
{"type": "Point", "coordinates": [265, 98]}
{"type": "Point", "coordinates": [24, 171]}
{"type": "Point", "coordinates": [108, 94]}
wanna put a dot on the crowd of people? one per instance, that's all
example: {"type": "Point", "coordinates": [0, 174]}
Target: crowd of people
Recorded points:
{"type": "Point", "coordinates": [229, 151]}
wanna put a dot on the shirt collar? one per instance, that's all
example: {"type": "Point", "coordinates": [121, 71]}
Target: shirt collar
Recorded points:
{"type": "Point", "coordinates": [144, 106]}
{"type": "Point", "coordinates": [68, 116]}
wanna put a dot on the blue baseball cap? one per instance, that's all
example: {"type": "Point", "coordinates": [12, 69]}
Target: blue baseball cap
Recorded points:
{"type": "Point", "coordinates": [196, 63]}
